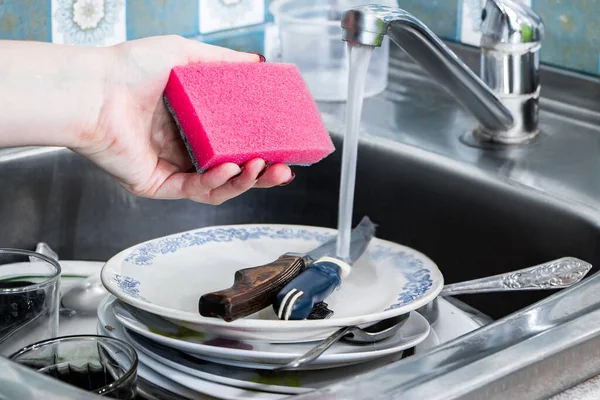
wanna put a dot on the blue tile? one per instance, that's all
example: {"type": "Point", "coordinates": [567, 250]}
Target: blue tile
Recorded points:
{"type": "Point", "coordinates": [572, 38]}
{"type": "Point", "coordinates": [25, 20]}
{"type": "Point", "coordinates": [441, 16]}
{"type": "Point", "coordinates": [160, 17]}
{"type": "Point", "coordinates": [459, 12]}
{"type": "Point", "coordinates": [268, 15]}
{"type": "Point", "coordinates": [243, 39]}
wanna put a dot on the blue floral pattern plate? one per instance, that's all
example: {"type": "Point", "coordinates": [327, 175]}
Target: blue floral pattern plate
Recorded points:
{"type": "Point", "coordinates": [166, 276]}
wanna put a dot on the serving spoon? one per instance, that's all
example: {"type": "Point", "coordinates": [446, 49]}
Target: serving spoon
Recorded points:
{"type": "Point", "coordinates": [556, 274]}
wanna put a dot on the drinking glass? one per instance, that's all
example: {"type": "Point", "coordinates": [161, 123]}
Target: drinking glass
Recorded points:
{"type": "Point", "coordinates": [98, 364]}
{"type": "Point", "coordinates": [310, 36]}
{"type": "Point", "coordinates": [29, 298]}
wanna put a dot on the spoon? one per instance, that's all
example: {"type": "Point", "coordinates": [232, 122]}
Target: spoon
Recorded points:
{"type": "Point", "coordinates": [83, 298]}
{"type": "Point", "coordinates": [556, 274]}
{"type": "Point", "coordinates": [377, 332]}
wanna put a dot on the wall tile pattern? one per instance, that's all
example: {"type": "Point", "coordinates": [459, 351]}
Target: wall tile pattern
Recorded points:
{"type": "Point", "coordinates": [572, 26]}
{"type": "Point", "coordinates": [161, 17]}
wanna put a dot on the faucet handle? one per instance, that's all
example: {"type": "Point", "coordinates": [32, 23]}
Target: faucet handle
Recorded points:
{"type": "Point", "coordinates": [506, 22]}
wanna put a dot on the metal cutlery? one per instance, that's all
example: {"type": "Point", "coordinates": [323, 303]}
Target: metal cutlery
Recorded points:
{"type": "Point", "coordinates": [556, 274]}
{"type": "Point", "coordinates": [377, 332]}
{"type": "Point", "coordinates": [256, 288]}
{"type": "Point", "coordinates": [299, 297]}
{"type": "Point", "coordinates": [83, 297]}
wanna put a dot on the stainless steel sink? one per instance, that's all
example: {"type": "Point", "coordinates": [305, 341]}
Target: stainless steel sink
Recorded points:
{"type": "Point", "coordinates": [475, 211]}
{"type": "Point", "coordinates": [468, 223]}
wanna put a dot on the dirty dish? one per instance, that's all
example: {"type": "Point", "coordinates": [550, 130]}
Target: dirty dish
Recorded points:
{"type": "Point", "coordinates": [171, 361]}
{"type": "Point", "coordinates": [197, 386]}
{"type": "Point", "coordinates": [260, 354]}
{"type": "Point", "coordinates": [166, 276]}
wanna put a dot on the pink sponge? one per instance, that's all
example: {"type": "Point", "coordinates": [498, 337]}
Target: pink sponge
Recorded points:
{"type": "Point", "coordinates": [234, 112]}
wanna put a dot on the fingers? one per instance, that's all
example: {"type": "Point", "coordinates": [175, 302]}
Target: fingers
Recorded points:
{"type": "Point", "coordinates": [203, 52]}
{"type": "Point", "coordinates": [224, 182]}
{"type": "Point", "coordinates": [240, 184]}
{"type": "Point", "coordinates": [256, 174]}
{"type": "Point", "coordinates": [275, 175]}
{"type": "Point", "coordinates": [194, 186]}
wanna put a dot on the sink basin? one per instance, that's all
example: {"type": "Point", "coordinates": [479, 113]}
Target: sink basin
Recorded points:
{"type": "Point", "coordinates": [469, 224]}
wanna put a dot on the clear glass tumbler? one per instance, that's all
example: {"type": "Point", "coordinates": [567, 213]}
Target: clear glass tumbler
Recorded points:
{"type": "Point", "coordinates": [29, 298]}
{"type": "Point", "coordinates": [97, 364]}
{"type": "Point", "coordinates": [310, 36]}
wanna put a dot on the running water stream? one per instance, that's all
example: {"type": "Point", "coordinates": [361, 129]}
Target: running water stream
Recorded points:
{"type": "Point", "coordinates": [359, 57]}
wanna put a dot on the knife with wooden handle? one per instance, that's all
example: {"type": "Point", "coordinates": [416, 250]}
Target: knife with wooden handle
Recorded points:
{"type": "Point", "coordinates": [255, 288]}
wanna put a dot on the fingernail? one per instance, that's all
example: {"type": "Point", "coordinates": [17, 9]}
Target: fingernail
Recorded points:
{"type": "Point", "coordinates": [236, 175]}
{"type": "Point", "coordinates": [289, 180]}
{"type": "Point", "coordinates": [262, 58]}
{"type": "Point", "coordinates": [262, 172]}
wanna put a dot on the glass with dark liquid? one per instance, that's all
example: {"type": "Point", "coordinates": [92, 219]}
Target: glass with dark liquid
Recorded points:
{"type": "Point", "coordinates": [29, 298]}
{"type": "Point", "coordinates": [97, 364]}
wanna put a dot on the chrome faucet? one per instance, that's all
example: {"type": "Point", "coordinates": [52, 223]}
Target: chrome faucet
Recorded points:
{"type": "Point", "coordinates": [504, 99]}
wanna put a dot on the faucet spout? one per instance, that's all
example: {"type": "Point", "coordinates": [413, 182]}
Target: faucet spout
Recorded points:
{"type": "Point", "coordinates": [367, 25]}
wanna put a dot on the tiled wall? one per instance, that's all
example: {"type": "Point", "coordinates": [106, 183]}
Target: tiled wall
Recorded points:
{"type": "Point", "coordinates": [572, 26]}
{"type": "Point", "coordinates": [106, 22]}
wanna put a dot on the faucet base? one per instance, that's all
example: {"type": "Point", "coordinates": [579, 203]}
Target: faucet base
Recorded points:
{"type": "Point", "coordinates": [481, 139]}
{"type": "Point", "coordinates": [484, 136]}
{"type": "Point", "coordinates": [525, 109]}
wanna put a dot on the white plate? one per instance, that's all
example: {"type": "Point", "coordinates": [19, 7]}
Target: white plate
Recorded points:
{"type": "Point", "coordinates": [163, 382]}
{"type": "Point", "coordinates": [451, 323]}
{"type": "Point", "coordinates": [415, 330]}
{"type": "Point", "coordinates": [167, 276]}
{"type": "Point", "coordinates": [187, 381]}
{"type": "Point", "coordinates": [71, 271]}
{"type": "Point", "coordinates": [289, 382]}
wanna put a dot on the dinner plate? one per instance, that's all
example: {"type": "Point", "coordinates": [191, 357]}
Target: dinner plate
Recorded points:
{"type": "Point", "coordinates": [174, 362]}
{"type": "Point", "coordinates": [71, 271]}
{"type": "Point", "coordinates": [189, 382]}
{"type": "Point", "coordinates": [287, 382]}
{"type": "Point", "coordinates": [263, 354]}
{"type": "Point", "coordinates": [167, 276]}
{"type": "Point", "coordinates": [165, 383]}
{"type": "Point", "coordinates": [451, 323]}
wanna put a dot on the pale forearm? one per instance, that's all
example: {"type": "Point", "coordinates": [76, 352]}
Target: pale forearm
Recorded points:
{"type": "Point", "coordinates": [51, 95]}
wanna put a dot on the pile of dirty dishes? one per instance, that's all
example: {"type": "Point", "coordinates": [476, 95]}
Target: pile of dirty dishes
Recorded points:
{"type": "Point", "coordinates": [155, 288]}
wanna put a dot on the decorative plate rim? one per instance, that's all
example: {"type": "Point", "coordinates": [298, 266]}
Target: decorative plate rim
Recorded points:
{"type": "Point", "coordinates": [232, 352]}
{"type": "Point", "coordinates": [107, 275]}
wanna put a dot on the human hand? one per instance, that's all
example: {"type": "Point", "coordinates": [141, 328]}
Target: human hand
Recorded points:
{"type": "Point", "coordinates": [136, 140]}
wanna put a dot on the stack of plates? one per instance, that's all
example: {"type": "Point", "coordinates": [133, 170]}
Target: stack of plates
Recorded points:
{"type": "Point", "coordinates": [155, 287]}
